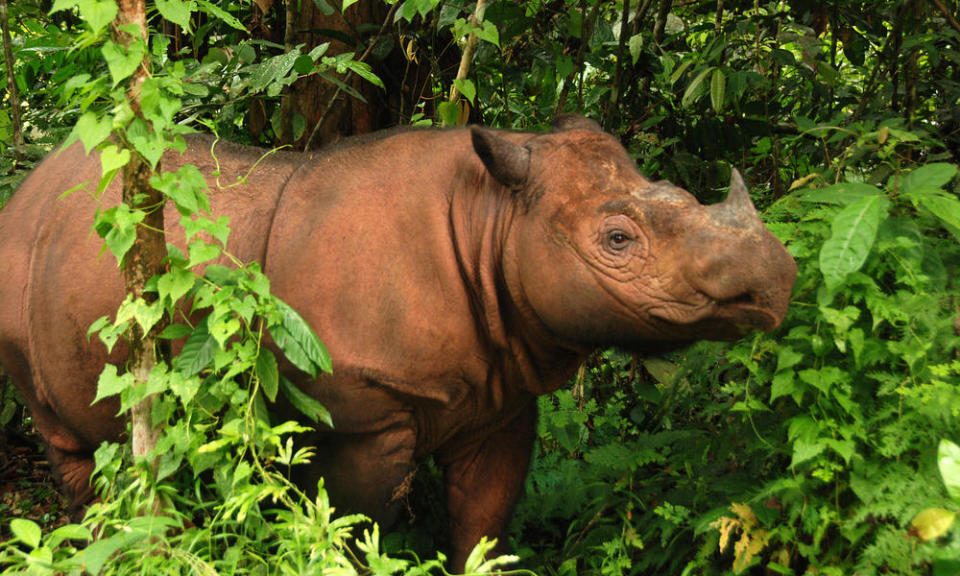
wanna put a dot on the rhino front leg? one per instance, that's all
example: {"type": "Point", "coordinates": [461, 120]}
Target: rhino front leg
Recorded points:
{"type": "Point", "coordinates": [484, 481]}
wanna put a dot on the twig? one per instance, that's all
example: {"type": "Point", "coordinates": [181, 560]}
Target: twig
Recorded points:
{"type": "Point", "coordinates": [946, 13]}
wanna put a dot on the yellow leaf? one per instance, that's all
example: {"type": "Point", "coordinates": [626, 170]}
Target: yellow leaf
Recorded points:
{"type": "Point", "coordinates": [745, 514]}
{"type": "Point", "coordinates": [933, 523]}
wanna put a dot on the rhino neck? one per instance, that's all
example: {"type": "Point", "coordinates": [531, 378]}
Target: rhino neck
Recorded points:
{"type": "Point", "coordinates": [482, 215]}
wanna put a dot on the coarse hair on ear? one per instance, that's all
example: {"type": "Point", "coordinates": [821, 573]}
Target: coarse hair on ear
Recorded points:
{"type": "Point", "coordinates": [508, 163]}
{"type": "Point", "coordinates": [565, 122]}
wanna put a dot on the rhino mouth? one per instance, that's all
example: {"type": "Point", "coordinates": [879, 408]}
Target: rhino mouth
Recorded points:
{"type": "Point", "coordinates": [726, 319]}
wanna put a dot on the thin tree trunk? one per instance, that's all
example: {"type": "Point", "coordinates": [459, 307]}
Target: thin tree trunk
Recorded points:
{"type": "Point", "coordinates": [469, 48]}
{"type": "Point", "coordinates": [617, 86]}
{"type": "Point", "coordinates": [145, 258]}
{"type": "Point", "coordinates": [586, 31]}
{"type": "Point", "coordinates": [12, 93]}
{"type": "Point", "coordinates": [286, 100]}
{"type": "Point", "coordinates": [658, 30]}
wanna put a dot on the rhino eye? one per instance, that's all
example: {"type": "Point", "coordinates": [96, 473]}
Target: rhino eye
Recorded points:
{"type": "Point", "coordinates": [618, 240]}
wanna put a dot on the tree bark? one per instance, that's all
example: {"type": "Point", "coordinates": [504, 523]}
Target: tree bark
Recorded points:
{"type": "Point", "coordinates": [145, 258]}
{"type": "Point", "coordinates": [12, 91]}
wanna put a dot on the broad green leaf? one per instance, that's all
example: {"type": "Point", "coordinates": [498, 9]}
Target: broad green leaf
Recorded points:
{"type": "Point", "coordinates": [111, 383]}
{"type": "Point", "coordinates": [91, 130]}
{"type": "Point", "coordinates": [175, 332]}
{"type": "Point", "coordinates": [147, 315]}
{"type": "Point", "coordinates": [177, 11]}
{"type": "Point", "coordinates": [223, 328]}
{"type": "Point", "coordinates": [69, 532]}
{"type": "Point", "coordinates": [118, 228]}
{"type": "Point", "coordinates": [186, 187]}
{"type": "Point", "coordinates": [804, 450]}
{"type": "Point", "coordinates": [150, 144]}
{"type": "Point", "coordinates": [201, 252]}
{"type": "Point", "coordinates": [449, 113]}
{"type": "Point", "coordinates": [27, 531]}
{"type": "Point", "coordinates": [197, 351]}
{"type": "Point", "coordinates": [111, 161]}
{"type": "Point", "coordinates": [363, 70]}
{"type": "Point", "coordinates": [94, 556]}
{"type": "Point", "coordinates": [466, 87]}
{"type": "Point", "coordinates": [222, 15]}
{"type": "Point", "coordinates": [854, 230]}
{"type": "Point", "coordinates": [718, 87]}
{"type": "Point", "coordinates": [784, 384]}
{"type": "Point", "coordinates": [946, 208]}
{"type": "Point", "coordinates": [268, 374]}
{"type": "Point", "coordinates": [948, 459]}
{"type": "Point", "coordinates": [933, 523]}
{"type": "Point", "coordinates": [274, 69]}
{"type": "Point", "coordinates": [787, 357]}
{"type": "Point", "coordinates": [304, 337]}
{"type": "Point", "coordinates": [488, 33]}
{"type": "Point", "coordinates": [304, 403]}
{"type": "Point", "coordinates": [123, 61]}
{"type": "Point", "coordinates": [695, 89]}
{"type": "Point", "coordinates": [636, 47]}
{"type": "Point", "coordinates": [842, 193]}
{"type": "Point", "coordinates": [347, 4]}
{"type": "Point", "coordinates": [98, 324]}
{"type": "Point", "coordinates": [324, 7]}
{"type": "Point", "coordinates": [934, 175]}
{"type": "Point", "coordinates": [173, 285]}
{"type": "Point", "coordinates": [185, 387]}
{"type": "Point", "coordinates": [96, 13]}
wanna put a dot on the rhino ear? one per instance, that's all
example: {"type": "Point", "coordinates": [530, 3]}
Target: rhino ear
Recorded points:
{"type": "Point", "coordinates": [507, 162]}
{"type": "Point", "coordinates": [565, 122]}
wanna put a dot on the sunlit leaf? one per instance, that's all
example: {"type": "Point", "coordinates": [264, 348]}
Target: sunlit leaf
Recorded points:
{"type": "Point", "coordinates": [854, 231]}
{"type": "Point", "coordinates": [304, 403]}
{"type": "Point", "coordinates": [948, 459]}
{"type": "Point", "coordinates": [933, 523]}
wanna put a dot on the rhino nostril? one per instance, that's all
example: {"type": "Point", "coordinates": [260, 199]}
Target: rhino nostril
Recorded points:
{"type": "Point", "coordinates": [746, 298]}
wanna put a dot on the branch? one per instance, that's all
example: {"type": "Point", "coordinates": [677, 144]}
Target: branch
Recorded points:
{"type": "Point", "coordinates": [471, 46]}
{"type": "Point", "coordinates": [946, 13]}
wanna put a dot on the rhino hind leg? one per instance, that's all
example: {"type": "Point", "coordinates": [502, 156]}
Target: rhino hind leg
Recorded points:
{"type": "Point", "coordinates": [69, 456]}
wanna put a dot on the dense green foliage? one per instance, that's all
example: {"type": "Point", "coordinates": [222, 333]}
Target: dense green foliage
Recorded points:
{"type": "Point", "coordinates": [822, 448]}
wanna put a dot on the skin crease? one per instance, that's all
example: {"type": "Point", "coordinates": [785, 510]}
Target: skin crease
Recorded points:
{"type": "Point", "coordinates": [453, 275]}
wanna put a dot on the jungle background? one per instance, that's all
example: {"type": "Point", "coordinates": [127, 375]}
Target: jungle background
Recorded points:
{"type": "Point", "coordinates": [825, 447]}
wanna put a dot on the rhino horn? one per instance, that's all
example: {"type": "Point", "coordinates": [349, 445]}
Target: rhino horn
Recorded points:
{"type": "Point", "coordinates": [737, 211]}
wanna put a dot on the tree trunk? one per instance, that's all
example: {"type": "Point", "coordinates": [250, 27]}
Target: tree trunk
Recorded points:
{"type": "Point", "coordinates": [12, 91]}
{"type": "Point", "coordinates": [145, 258]}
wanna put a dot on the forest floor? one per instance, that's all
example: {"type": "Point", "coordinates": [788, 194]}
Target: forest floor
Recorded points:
{"type": "Point", "coordinates": [27, 488]}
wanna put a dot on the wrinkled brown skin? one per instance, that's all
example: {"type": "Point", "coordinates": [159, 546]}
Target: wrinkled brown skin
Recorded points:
{"type": "Point", "coordinates": [450, 290]}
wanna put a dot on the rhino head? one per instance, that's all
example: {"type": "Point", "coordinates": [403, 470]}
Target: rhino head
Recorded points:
{"type": "Point", "coordinates": [599, 255]}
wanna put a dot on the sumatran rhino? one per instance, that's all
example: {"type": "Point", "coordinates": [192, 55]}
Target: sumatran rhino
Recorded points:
{"type": "Point", "coordinates": [454, 275]}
